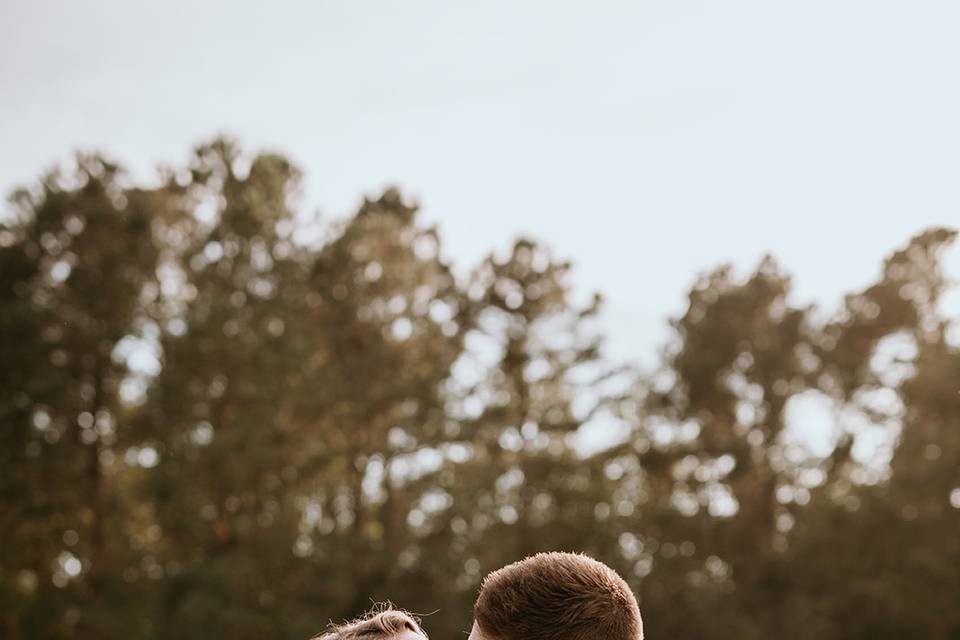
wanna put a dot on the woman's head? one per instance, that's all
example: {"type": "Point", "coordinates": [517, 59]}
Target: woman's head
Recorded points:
{"type": "Point", "coordinates": [379, 624]}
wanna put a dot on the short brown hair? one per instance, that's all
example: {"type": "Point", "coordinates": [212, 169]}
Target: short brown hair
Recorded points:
{"type": "Point", "coordinates": [383, 621]}
{"type": "Point", "coordinates": [557, 596]}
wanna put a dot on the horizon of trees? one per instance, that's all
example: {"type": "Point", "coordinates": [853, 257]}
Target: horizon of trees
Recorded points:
{"type": "Point", "coordinates": [210, 427]}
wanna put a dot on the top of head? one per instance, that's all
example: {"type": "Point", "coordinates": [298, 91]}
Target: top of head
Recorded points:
{"type": "Point", "coordinates": [378, 625]}
{"type": "Point", "coordinates": [557, 596]}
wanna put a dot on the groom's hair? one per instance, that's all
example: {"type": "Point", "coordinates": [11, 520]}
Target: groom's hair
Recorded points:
{"type": "Point", "coordinates": [557, 596]}
{"type": "Point", "coordinates": [383, 621]}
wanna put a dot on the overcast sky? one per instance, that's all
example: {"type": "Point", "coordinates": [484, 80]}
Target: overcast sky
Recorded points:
{"type": "Point", "coordinates": [646, 140]}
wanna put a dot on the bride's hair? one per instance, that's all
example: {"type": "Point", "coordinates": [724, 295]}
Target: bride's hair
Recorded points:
{"type": "Point", "coordinates": [383, 621]}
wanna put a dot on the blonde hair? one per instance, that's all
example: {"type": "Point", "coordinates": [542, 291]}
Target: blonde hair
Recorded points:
{"type": "Point", "coordinates": [383, 621]}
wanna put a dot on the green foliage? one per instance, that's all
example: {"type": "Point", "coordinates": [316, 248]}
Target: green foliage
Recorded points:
{"type": "Point", "coordinates": [214, 425]}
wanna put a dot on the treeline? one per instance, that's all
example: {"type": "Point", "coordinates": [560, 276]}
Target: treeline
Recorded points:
{"type": "Point", "coordinates": [212, 427]}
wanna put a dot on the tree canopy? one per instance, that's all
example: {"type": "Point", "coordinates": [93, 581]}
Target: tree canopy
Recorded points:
{"type": "Point", "coordinates": [217, 424]}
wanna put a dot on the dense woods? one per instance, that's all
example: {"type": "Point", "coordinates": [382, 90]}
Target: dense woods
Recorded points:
{"type": "Point", "coordinates": [216, 424]}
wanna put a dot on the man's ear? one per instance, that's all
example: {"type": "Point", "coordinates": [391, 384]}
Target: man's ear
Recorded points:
{"type": "Point", "coordinates": [476, 634]}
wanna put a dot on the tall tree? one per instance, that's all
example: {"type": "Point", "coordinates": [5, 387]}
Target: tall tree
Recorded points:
{"type": "Point", "coordinates": [75, 260]}
{"type": "Point", "coordinates": [387, 320]}
{"type": "Point", "coordinates": [216, 448]}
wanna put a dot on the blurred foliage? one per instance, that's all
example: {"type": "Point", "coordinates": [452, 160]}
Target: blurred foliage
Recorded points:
{"type": "Point", "coordinates": [223, 418]}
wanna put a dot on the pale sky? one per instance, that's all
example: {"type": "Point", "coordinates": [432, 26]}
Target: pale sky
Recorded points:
{"type": "Point", "coordinates": [648, 141]}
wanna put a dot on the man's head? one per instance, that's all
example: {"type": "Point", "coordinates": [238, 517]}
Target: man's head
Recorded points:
{"type": "Point", "coordinates": [556, 596]}
{"type": "Point", "coordinates": [379, 624]}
